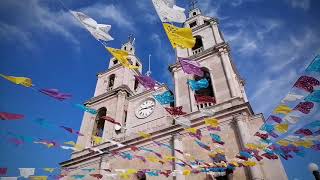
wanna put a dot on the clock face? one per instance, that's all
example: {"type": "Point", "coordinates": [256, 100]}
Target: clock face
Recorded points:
{"type": "Point", "coordinates": [145, 109]}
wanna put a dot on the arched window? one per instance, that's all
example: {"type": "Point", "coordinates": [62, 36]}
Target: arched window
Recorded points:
{"type": "Point", "coordinates": [198, 44]}
{"type": "Point", "coordinates": [209, 90]}
{"type": "Point", "coordinates": [141, 175]}
{"type": "Point", "coordinates": [115, 61]}
{"type": "Point", "coordinates": [99, 122]}
{"type": "Point", "coordinates": [111, 81]}
{"type": "Point", "coordinates": [136, 84]}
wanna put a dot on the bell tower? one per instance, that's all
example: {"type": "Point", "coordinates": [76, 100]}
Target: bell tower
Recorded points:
{"type": "Point", "coordinates": [114, 87]}
{"type": "Point", "coordinates": [213, 54]}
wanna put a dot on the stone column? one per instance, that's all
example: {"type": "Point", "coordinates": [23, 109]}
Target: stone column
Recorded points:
{"type": "Point", "coordinates": [244, 135]}
{"type": "Point", "coordinates": [193, 106]}
{"type": "Point", "coordinates": [215, 30]}
{"type": "Point", "coordinates": [226, 63]}
{"type": "Point", "coordinates": [87, 125]}
{"type": "Point", "coordinates": [177, 144]}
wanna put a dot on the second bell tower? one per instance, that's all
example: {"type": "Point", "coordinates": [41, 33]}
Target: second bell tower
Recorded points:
{"type": "Point", "coordinates": [213, 54]}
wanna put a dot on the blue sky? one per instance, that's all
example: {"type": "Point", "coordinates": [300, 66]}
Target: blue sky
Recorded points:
{"type": "Point", "coordinates": [271, 41]}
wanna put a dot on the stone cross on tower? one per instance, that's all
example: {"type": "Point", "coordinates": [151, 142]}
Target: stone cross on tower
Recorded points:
{"type": "Point", "coordinates": [131, 39]}
{"type": "Point", "coordinates": [193, 4]}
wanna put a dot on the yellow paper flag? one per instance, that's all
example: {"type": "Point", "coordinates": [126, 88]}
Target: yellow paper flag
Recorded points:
{"type": "Point", "coordinates": [211, 122]}
{"type": "Point", "coordinates": [235, 163]}
{"type": "Point", "coordinates": [219, 150]}
{"type": "Point", "coordinates": [131, 171]}
{"type": "Point", "coordinates": [70, 143]}
{"type": "Point", "coordinates": [192, 130]}
{"type": "Point", "coordinates": [122, 57]}
{"type": "Point", "coordinates": [282, 128]}
{"type": "Point", "coordinates": [27, 82]}
{"type": "Point", "coordinates": [97, 140]}
{"type": "Point", "coordinates": [152, 159]}
{"type": "Point", "coordinates": [249, 163]}
{"type": "Point", "coordinates": [50, 170]}
{"type": "Point", "coordinates": [179, 37]}
{"type": "Point", "coordinates": [255, 146]}
{"type": "Point", "coordinates": [186, 172]}
{"type": "Point", "coordinates": [282, 109]}
{"type": "Point", "coordinates": [144, 135]}
{"type": "Point", "coordinates": [124, 175]}
{"type": "Point", "coordinates": [283, 142]}
{"type": "Point", "coordinates": [38, 177]}
{"type": "Point", "coordinates": [306, 144]}
{"type": "Point", "coordinates": [169, 158]}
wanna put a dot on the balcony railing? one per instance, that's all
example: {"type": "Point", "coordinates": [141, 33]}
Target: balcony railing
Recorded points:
{"type": "Point", "coordinates": [196, 51]}
{"type": "Point", "coordinates": [204, 105]}
{"type": "Point", "coordinates": [204, 101]}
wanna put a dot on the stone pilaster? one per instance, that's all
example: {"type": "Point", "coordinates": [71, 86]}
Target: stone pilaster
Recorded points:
{"type": "Point", "coordinates": [215, 30]}
{"type": "Point", "coordinates": [230, 75]}
{"type": "Point", "coordinates": [177, 144]}
{"type": "Point", "coordinates": [244, 136]}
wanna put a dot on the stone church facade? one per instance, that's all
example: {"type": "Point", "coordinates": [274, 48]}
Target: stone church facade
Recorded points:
{"type": "Point", "coordinates": [119, 96]}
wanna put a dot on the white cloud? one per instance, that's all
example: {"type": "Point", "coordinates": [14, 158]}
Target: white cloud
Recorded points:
{"type": "Point", "coordinates": [247, 35]}
{"type": "Point", "coordinates": [147, 12]}
{"type": "Point", "coordinates": [163, 54]}
{"type": "Point", "coordinates": [110, 12]}
{"type": "Point", "coordinates": [14, 34]}
{"type": "Point", "coordinates": [269, 91]}
{"type": "Point", "coordinates": [236, 3]}
{"type": "Point", "coordinates": [303, 4]}
{"type": "Point", "coordinates": [281, 56]}
{"type": "Point", "coordinates": [210, 9]}
{"type": "Point", "coordinates": [35, 19]}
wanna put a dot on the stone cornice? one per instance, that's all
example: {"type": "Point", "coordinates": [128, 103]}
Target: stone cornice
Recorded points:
{"type": "Point", "coordinates": [148, 91]}
{"type": "Point", "coordinates": [208, 19]}
{"type": "Point", "coordinates": [117, 66]}
{"type": "Point", "coordinates": [212, 50]}
{"type": "Point", "coordinates": [203, 25]}
{"type": "Point", "coordinates": [110, 93]}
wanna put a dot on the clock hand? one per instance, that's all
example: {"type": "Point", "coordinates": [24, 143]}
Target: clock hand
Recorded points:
{"type": "Point", "coordinates": [146, 107]}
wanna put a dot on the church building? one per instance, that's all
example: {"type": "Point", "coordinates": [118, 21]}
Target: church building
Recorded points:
{"type": "Point", "coordinates": [120, 96]}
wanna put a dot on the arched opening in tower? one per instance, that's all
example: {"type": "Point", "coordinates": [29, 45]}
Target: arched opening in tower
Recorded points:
{"type": "Point", "coordinates": [205, 91]}
{"type": "Point", "coordinates": [99, 122]}
{"type": "Point", "coordinates": [198, 44]}
{"type": "Point", "coordinates": [111, 81]}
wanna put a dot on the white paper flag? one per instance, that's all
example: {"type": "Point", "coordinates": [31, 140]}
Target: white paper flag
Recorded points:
{"type": "Point", "coordinates": [291, 97]}
{"type": "Point", "coordinates": [115, 143]}
{"type": "Point", "coordinates": [99, 31]}
{"type": "Point", "coordinates": [291, 119]}
{"type": "Point", "coordinates": [8, 178]}
{"type": "Point", "coordinates": [68, 147]}
{"type": "Point", "coordinates": [184, 122]}
{"type": "Point", "coordinates": [168, 12]}
{"type": "Point", "coordinates": [26, 172]}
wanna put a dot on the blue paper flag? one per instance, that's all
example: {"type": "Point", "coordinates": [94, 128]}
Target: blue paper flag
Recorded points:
{"type": "Point", "coordinates": [315, 65]}
{"type": "Point", "coordinates": [314, 96]}
{"type": "Point", "coordinates": [197, 85]}
{"type": "Point", "coordinates": [86, 109]}
{"type": "Point", "coordinates": [164, 98]}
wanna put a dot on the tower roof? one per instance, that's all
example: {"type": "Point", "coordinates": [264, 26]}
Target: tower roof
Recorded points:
{"type": "Point", "coordinates": [129, 46]}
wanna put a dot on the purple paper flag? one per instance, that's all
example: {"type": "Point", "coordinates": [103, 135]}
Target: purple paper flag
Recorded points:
{"type": "Point", "coordinates": [71, 130]}
{"type": "Point", "coordinates": [146, 81]}
{"type": "Point", "coordinates": [202, 145]}
{"type": "Point", "coordinates": [9, 116]}
{"type": "Point", "coordinates": [190, 67]}
{"type": "Point", "coordinates": [54, 93]}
